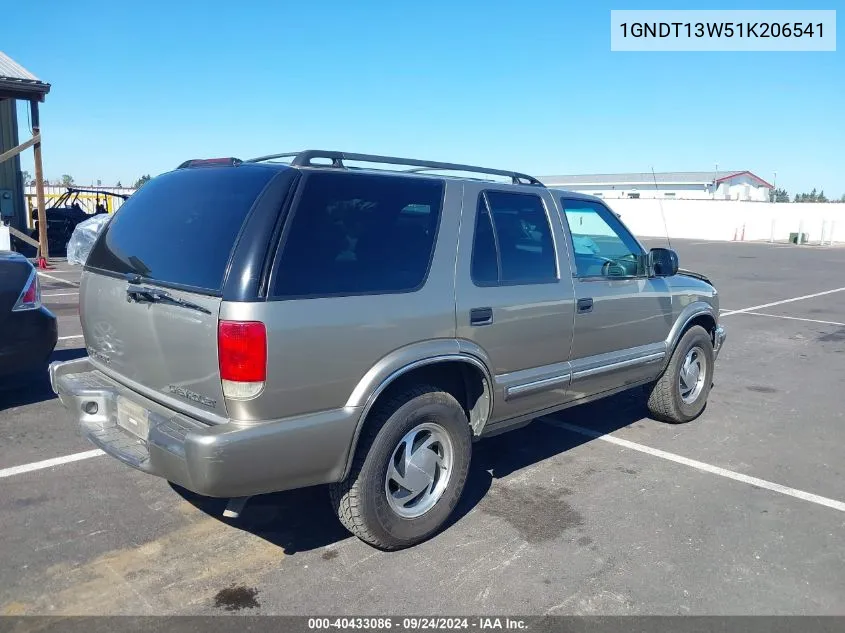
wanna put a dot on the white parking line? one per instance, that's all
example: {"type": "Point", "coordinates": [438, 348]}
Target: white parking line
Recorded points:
{"type": "Point", "coordinates": [64, 281]}
{"type": "Point", "coordinates": [792, 318]}
{"type": "Point", "coordinates": [708, 242]}
{"type": "Point", "coordinates": [678, 459]}
{"type": "Point", "coordinates": [65, 338]}
{"type": "Point", "coordinates": [708, 468]}
{"type": "Point", "coordinates": [49, 463]}
{"type": "Point", "coordinates": [59, 294]}
{"type": "Point", "coordinates": [777, 303]}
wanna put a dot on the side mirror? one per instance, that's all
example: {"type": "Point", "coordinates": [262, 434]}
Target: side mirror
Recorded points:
{"type": "Point", "coordinates": [663, 262]}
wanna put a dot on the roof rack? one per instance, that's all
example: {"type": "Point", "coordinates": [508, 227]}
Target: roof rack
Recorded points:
{"type": "Point", "coordinates": [305, 158]}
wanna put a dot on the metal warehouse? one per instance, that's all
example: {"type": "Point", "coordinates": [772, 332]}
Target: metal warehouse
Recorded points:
{"type": "Point", "coordinates": [686, 185]}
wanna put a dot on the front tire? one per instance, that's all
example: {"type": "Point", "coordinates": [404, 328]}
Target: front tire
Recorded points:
{"type": "Point", "coordinates": [680, 394]}
{"type": "Point", "coordinates": [409, 469]}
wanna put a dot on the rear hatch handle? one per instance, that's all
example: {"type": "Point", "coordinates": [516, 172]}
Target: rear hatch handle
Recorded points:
{"type": "Point", "coordinates": [136, 293]}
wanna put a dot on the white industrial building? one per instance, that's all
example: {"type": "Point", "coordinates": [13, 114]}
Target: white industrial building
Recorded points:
{"type": "Point", "coordinates": [682, 185]}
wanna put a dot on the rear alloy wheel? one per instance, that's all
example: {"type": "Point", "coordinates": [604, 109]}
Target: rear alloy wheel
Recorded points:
{"type": "Point", "coordinates": [680, 394]}
{"type": "Point", "coordinates": [419, 470]}
{"type": "Point", "coordinates": [409, 469]}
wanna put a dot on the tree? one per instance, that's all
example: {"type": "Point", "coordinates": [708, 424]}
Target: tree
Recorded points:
{"type": "Point", "coordinates": [99, 182]}
{"type": "Point", "coordinates": [119, 185]}
{"type": "Point", "coordinates": [67, 180]}
{"type": "Point", "coordinates": [140, 182]}
{"type": "Point", "coordinates": [26, 177]}
{"type": "Point", "coordinates": [813, 196]}
{"type": "Point", "coordinates": [842, 199]}
{"type": "Point", "coordinates": [778, 195]}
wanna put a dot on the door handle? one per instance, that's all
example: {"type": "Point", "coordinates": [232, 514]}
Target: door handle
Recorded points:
{"type": "Point", "coordinates": [585, 305]}
{"type": "Point", "coordinates": [481, 316]}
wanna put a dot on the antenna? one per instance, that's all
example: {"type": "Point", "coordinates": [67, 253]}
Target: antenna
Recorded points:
{"type": "Point", "coordinates": [660, 202]}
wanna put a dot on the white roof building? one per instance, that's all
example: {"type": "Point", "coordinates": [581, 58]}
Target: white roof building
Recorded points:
{"type": "Point", "coordinates": [688, 185]}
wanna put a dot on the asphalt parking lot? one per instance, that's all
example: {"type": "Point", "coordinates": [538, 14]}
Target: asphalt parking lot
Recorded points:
{"type": "Point", "coordinates": [599, 510]}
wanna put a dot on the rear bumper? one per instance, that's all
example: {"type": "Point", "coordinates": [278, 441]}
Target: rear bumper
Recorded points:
{"type": "Point", "coordinates": [719, 337]}
{"type": "Point", "coordinates": [225, 460]}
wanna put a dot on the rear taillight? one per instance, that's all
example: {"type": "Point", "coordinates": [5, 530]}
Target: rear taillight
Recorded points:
{"type": "Point", "coordinates": [30, 298]}
{"type": "Point", "coordinates": [242, 350]}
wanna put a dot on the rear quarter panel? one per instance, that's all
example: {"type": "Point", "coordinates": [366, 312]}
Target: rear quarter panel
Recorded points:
{"type": "Point", "coordinates": [319, 349]}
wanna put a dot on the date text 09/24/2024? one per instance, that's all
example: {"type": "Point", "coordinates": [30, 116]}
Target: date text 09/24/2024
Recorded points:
{"type": "Point", "coordinates": [420, 623]}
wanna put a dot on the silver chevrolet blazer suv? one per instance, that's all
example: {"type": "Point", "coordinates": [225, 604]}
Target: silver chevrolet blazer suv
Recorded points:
{"type": "Point", "coordinates": [360, 321]}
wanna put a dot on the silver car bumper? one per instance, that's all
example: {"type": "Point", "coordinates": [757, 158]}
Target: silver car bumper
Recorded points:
{"type": "Point", "coordinates": [223, 460]}
{"type": "Point", "coordinates": [719, 337]}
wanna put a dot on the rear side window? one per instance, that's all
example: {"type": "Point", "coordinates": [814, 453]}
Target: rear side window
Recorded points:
{"type": "Point", "coordinates": [180, 228]}
{"type": "Point", "coordinates": [359, 234]}
{"type": "Point", "coordinates": [513, 240]}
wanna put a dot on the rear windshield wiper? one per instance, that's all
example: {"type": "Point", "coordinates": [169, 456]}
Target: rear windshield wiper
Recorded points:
{"type": "Point", "coordinates": [142, 294]}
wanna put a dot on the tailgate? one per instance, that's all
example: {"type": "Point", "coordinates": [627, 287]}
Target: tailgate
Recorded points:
{"type": "Point", "coordinates": [152, 287]}
{"type": "Point", "coordinates": [167, 348]}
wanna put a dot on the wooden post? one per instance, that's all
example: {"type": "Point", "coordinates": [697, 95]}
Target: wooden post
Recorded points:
{"type": "Point", "coordinates": [39, 182]}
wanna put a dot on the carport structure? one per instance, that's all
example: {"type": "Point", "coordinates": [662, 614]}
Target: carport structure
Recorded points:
{"type": "Point", "coordinates": [18, 84]}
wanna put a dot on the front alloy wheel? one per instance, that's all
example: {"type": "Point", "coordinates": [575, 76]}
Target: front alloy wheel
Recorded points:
{"type": "Point", "coordinates": [692, 375]}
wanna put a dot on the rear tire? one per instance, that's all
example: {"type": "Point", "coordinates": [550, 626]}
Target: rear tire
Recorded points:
{"type": "Point", "coordinates": [421, 437]}
{"type": "Point", "coordinates": [680, 394]}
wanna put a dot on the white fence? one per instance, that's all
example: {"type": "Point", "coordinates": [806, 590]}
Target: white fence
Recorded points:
{"type": "Point", "coordinates": [725, 220]}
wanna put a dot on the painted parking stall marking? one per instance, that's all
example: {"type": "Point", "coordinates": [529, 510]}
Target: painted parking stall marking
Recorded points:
{"type": "Point", "coordinates": [777, 303]}
{"type": "Point", "coordinates": [49, 463]}
{"type": "Point", "coordinates": [59, 279]}
{"type": "Point", "coordinates": [692, 463]}
{"type": "Point", "coordinates": [792, 318]}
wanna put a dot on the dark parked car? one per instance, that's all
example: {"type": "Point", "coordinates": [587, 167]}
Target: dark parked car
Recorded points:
{"type": "Point", "coordinates": [28, 331]}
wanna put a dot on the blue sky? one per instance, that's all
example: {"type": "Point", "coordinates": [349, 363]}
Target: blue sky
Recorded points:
{"type": "Point", "coordinates": [139, 87]}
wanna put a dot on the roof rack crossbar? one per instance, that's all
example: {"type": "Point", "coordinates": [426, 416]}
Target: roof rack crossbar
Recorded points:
{"type": "Point", "coordinates": [305, 158]}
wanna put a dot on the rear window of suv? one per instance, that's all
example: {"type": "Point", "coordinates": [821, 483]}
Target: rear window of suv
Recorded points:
{"type": "Point", "coordinates": [180, 228]}
{"type": "Point", "coordinates": [354, 234]}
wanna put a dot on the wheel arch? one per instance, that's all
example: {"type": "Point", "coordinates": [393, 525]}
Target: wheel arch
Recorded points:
{"type": "Point", "coordinates": [463, 375]}
{"type": "Point", "coordinates": [698, 313]}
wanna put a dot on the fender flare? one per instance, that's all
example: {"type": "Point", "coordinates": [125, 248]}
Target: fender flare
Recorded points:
{"type": "Point", "coordinates": [400, 362]}
{"type": "Point", "coordinates": [688, 314]}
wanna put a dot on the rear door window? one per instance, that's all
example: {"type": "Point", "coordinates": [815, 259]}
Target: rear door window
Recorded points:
{"type": "Point", "coordinates": [354, 234]}
{"type": "Point", "coordinates": [181, 227]}
{"type": "Point", "coordinates": [513, 240]}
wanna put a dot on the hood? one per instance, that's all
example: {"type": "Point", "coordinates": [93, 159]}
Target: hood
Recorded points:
{"type": "Point", "coordinates": [694, 275]}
